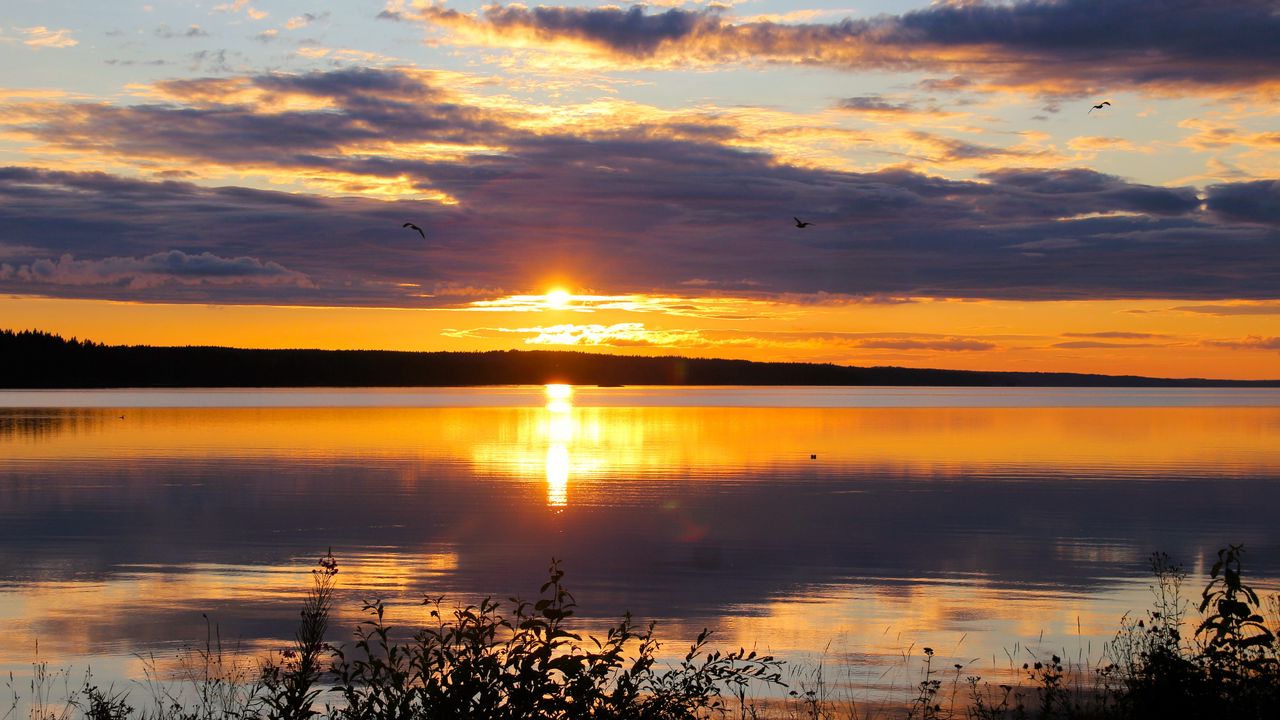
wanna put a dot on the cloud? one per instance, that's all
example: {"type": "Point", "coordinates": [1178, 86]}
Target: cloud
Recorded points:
{"type": "Point", "coordinates": [239, 5]}
{"type": "Point", "coordinates": [1094, 344]}
{"type": "Point", "coordinates": [637, 334]}
{"type": "Point", "coordinates": [1048, 244]}
{"type": "Point", "coordinates": [1252, 342]}
{"type": "Point", "coordinates": [1093, 143]}
{"type": "Point", "coordinates": [946, 150]}
{"type": "Point", "coordinates": [1062, 46]}
{"type": "Point", "coordinates": [42, 37]}
{"type": "Point", "coordinates": [1216, 135]}
{"type": "Point", "coordinates": [619, 335]}
{"type": "Point", "coordinates": [1232, 309]}
{"type": "Point", "coordinates": [701, 307]}
{"type": "Point", "coordinates": [211, 60]}
{"type": "Point", "coordinates": [300, 21]}
{"type": "Point", "coordinates": [1116, 335]}
{"type": "Point", "coordinates": [949, 344]}
{"type": "Point", "coordinates": [162, 268]}
{"type": "Point", "coordinates": [631, 205]}
{"type": "Point", "coordinates": [595, 335]}
{"type": "Point", "coordinates": [873, 104]}
{"type": "Point", "coordinates": [1069, 192]}
{"type": "Point", "coordinates": [1251, 202]}
{"type": "Point", "coordinates": [192, 31]}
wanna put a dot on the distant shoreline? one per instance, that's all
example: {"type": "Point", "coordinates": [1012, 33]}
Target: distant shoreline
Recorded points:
{"type": "Point", "coordinates": [33, 360]}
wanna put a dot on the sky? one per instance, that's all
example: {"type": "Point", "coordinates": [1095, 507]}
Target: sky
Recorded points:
{"type": "Point", "coordinates": [628, 179]}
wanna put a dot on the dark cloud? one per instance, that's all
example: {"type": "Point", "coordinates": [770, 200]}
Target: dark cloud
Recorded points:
{"type": "Point", "coordinates": [193, 31]}
{"type": "Point", "coordinates": [1077, 191]}
{"type": "Point", "coordinates": [1252, 202]}
{"type": "Point", "coordinates": [128, 63]}
{"type": "Point", "coordinates": [873, 104]}
{"type": "Point", "coordinates": [372, 106]}
{"type": "Point", "coordinates": [211, 60]}
{"type": "Point", "coordinates": [1047, 244]}
{"type": "Point", "coordinates": [300, 21]}
{"type": "Point", "coordinates": [625, 209]}
{"type": "Point", "coordinates": [162, 268]}
{"type": "Point", "coordinates": [947, 85]}
{"type": "Point", "coordinates": [1088, 43]}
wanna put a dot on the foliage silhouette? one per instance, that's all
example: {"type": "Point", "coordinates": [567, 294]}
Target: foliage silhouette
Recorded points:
{"type": "Point", "coordinates": [33, 359]}
{"type": "Point", "coordinates": [522, 660]}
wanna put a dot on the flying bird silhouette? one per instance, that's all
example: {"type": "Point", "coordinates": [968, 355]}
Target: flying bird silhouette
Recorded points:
{"type": "Point", "coordinates": [415, 227]}
{"type": "Point", "coordinates": [800, 223]}
{"type": "Point", "coordinates": [1099, 105]}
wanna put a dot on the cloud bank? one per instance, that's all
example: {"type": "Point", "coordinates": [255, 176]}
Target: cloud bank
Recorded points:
{"type": "Point", "coordinates": [1055, 46]}
{"type": "Point", "coordinates": [645, 207]}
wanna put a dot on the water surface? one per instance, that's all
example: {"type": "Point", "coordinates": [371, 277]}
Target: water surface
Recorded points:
{"type": "Point", "coordinates": [858, 523]}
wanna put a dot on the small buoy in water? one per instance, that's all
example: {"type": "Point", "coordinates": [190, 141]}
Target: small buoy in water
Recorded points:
{"type": "Point", "coordinates": [813, 457]}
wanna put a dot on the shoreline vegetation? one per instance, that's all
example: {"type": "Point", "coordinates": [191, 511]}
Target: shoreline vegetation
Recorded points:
{"type": "Point", "coordinates": [523, 660]}
{"type": "Point", "coordinates": [32, 359]}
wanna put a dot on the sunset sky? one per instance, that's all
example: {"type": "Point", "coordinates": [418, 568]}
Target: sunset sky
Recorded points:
{"type": "Point", "coordinates": [623, 179]}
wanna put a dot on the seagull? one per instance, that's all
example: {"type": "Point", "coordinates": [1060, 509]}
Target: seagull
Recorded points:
{"type": "Point", "coordinates": [800, 223]}
{"type": "Point", "coordinates": [415, 227]}
{"type": "Point", "coordinates": [1099, 105]}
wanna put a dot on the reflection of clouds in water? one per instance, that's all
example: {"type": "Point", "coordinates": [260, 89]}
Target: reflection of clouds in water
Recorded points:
{"type": "Point", "coordinates": [994, 522]}
{"type": "Point", "coordinates": [165, 606]}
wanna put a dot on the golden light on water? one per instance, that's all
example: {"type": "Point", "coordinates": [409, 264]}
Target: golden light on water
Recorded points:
{"type": "Point", "coordinates": [560, 431]}
{"type": "Point", "coordinates": [667, 468]}
{"type": "Point", "coordinates": [558, 475]}
{"type": "Point", "coordinates": [557, 391]}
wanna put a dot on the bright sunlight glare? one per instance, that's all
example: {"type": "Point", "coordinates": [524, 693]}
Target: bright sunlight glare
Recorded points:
{"type": "Point", "coordinates": [558, 298]}
{"type": "Point", "coordinates": [559, 391]}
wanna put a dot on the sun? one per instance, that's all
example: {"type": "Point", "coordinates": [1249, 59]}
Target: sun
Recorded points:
{"type": "Point", "coordinates": [558, 298]}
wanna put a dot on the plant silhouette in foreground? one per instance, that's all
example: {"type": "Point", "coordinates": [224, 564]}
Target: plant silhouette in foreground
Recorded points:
{"type": "Point", "coordinates": [479, 661]}
{"type": "Point", "coordinates": [290, 690]}
{"type": "Point", "coordinates": [1230, 669]}
{"type": "Point", "coordinates": [522, 660]}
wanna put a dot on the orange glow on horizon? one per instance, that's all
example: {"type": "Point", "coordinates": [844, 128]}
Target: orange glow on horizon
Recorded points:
{"type": "Point", "coordinates": [1157, 338]}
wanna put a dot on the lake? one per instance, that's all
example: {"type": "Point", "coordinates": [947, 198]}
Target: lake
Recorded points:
{"type": "Point", "coordinates": [846, 526]}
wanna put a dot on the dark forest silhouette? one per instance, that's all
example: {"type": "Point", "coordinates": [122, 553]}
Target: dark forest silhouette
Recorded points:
{"type": "Point", "coordinates": [35, 359]}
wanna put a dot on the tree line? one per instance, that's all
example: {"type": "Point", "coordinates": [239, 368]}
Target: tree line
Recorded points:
{"type": "Point", "coordinates": [36, 359]}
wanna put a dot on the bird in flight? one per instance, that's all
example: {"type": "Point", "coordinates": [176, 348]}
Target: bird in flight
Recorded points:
{"type": "Point", "coordinates": [800, 223]}
{"type": "Point", "coordinates": [1099, 105]}
{"type": "Point", "coordinates": [415, 227]}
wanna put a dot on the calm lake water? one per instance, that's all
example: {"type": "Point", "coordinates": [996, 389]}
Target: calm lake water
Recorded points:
{"type": "Point", "coordinates": [985, 523]}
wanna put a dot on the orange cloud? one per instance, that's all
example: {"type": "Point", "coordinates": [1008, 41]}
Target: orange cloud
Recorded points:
{"type": "Point", "coordinates": [43, 37]}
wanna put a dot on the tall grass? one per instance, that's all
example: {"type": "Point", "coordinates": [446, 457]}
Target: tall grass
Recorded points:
{"type": "Point", "coordinates": [521, 660]}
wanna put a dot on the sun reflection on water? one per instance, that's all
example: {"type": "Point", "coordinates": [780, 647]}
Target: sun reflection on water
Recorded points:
{"type": "Point", "coordinates": [560, 431]}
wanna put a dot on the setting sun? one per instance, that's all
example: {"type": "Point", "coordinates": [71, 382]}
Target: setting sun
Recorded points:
{"type": "Point", "coordinates": [558, 298]}
{"type": "Point", "coordinates": [559, 391]}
